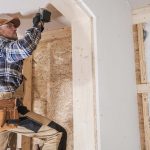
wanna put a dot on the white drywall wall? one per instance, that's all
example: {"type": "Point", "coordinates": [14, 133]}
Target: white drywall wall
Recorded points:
{"type": "Point", "coordinates": [117, 90]}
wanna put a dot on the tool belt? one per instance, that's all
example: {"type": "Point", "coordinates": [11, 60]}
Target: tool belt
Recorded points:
{"type": "Point", "coordinates": [8, 111]}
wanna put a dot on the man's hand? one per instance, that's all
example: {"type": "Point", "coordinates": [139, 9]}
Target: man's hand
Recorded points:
{"type": "Point", "coordinates": [37, 22]}
{"type": "Point", "coordinates": [40, 18]}
{"type": "Point", "coordinates": [36, 19]}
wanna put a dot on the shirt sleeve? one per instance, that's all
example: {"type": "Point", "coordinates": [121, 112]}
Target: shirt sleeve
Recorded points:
{"type": "Point", "coordinates": [22, 48]}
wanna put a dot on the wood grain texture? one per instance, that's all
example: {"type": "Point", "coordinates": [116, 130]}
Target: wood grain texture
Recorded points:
{"type": "Point", "coordinates": [142, 86]}
{"type": "Point", "coordinates": [27, 100]}
{"type": "Point", "coordinates": [138, 82]}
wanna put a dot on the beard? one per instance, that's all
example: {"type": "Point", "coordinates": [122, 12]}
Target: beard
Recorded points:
{"type": "Point", "coordinates": [13, 37]}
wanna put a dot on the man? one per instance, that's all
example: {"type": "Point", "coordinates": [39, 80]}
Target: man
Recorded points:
{"type": "Point", "coordinates": [12, 53]}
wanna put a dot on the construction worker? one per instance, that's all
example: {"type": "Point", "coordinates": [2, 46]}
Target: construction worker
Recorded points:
{"type": "Point", "coordinates": [12, 53]}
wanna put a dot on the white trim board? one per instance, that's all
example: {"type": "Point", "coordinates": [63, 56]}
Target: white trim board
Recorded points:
{"type": "Point", "coordinates": [85, 85]}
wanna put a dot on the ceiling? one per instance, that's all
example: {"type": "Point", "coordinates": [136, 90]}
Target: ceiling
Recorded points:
{"type": "Point", "coordinates": [29, 9]}
{"type": "Point", "coordinates": [138, 3]}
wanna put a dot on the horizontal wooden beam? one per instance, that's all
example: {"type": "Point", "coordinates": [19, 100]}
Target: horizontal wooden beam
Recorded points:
{"type": "Point", "coordinates": [141, 15]}
{"type": "Point", "coordinates": [143, 88]}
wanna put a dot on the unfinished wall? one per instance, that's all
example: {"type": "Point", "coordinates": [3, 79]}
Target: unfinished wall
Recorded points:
{"type": "Point", "coordinates": [52, 79]}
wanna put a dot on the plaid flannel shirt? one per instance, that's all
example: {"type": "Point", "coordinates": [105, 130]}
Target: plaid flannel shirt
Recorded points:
{"type": "Point", "coordinates": [12, 54]}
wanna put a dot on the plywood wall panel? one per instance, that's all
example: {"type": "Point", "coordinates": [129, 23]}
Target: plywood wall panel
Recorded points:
{"type": "Point", "coordinates": [52, 79]}
{"type": "Point", "coordinates": [136, 49]}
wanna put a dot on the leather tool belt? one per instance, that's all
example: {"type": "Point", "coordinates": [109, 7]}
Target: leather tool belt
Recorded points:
{"type": "Point", "coordinates": [8, 111]}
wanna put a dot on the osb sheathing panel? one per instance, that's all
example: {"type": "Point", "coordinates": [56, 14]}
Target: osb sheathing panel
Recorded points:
{"type": "Point", "coordinates": [138, 81]}
{"type": "Point", "coordinates": [137, 61]}
{"type": "Point", "coordinates": [52, 79]}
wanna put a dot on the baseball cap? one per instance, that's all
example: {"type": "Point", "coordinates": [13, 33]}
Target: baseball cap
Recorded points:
{"type": "Point", "coordinates": [7, 19]}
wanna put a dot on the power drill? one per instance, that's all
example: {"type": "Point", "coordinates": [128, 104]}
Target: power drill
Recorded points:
{"type": "Point", "coordinates": [45, 15]}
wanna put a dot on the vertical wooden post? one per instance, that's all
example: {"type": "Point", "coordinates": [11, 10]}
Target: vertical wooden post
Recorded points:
{"type": "Point", "coordinates": [27, 72]}
{"type": "Point", "coordinates": [27, 100]}
{"type": "Point", "coordinates": [143, 75]}
{"type": "Point", "coordinates": [142, 54]}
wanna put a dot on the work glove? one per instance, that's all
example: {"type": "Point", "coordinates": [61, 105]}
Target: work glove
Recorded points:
{"type": "Point", "coordinates": [22, 110]}
{"type": "Point", "coordinates": [37, 22]}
